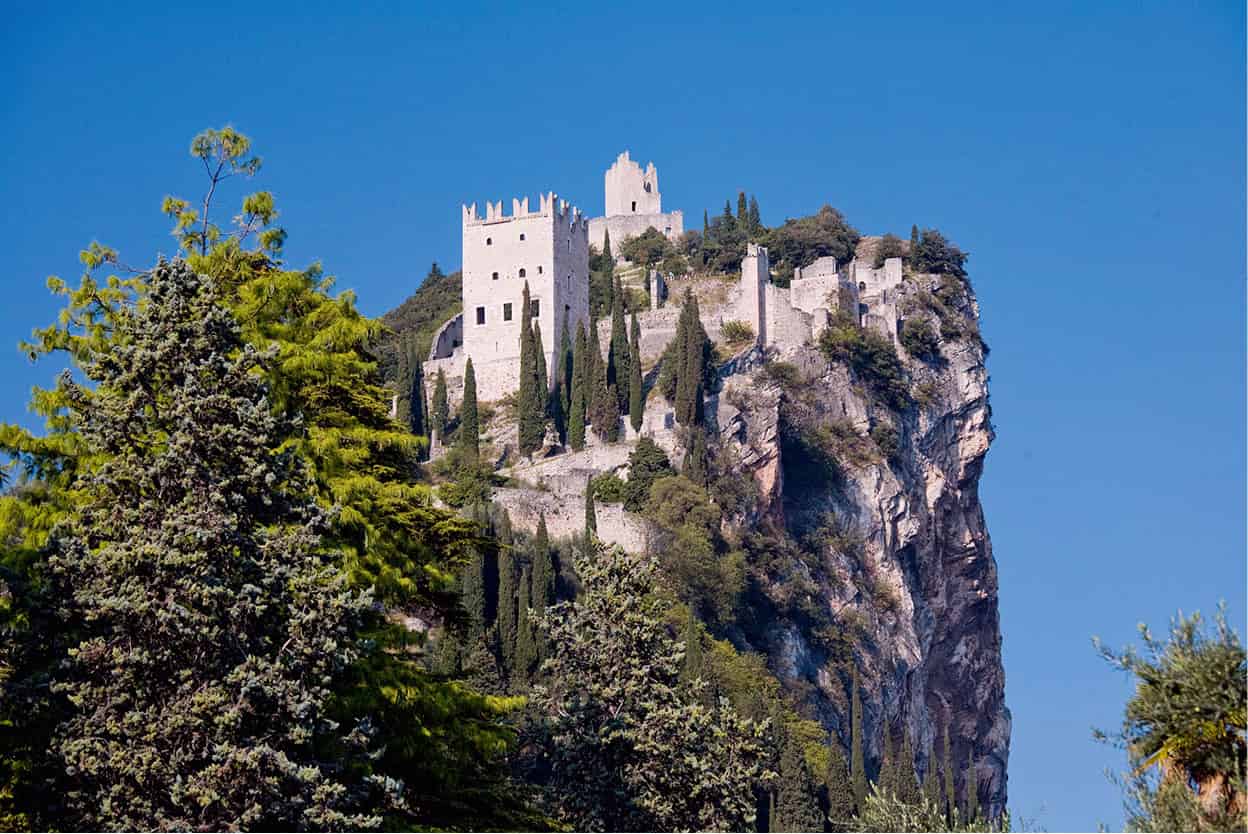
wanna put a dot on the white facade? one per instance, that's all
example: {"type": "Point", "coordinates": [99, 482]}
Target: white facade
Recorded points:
{"type": "Point", "coordinates": [633, 204]}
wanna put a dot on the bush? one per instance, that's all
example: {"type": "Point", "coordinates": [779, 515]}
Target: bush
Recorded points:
{"type": "Point", "coordinates": [647, 249]}
{"type": "Point", "coordinates": [918, 339]}
{"type": "Point", "coordinates": [784, 374]}
{"type": "Point", "coordinates": [736, 332]}
{"type": "Point", "coordinates": [609, 488]}
{"type": "Point", "coordinates": [885, 437]}
{"type": "Point", "coordinates": [869, 355]}
{"type": "Point", "coordinates": [800, 242]}
{"type": "Point", "coordinates": [646, 464]}
{"type": "Point", "coordinates": [890, 246]}
{"type": "Point", "coordinates": [935, 254]}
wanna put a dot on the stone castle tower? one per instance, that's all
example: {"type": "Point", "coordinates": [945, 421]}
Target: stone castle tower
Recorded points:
{"type": "Point", "coordinates": [633, 204]}
{"type": "Point", "coordinates": [548, 248]}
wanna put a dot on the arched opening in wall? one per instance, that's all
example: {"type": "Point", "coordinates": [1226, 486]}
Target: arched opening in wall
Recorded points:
{"type": "Point", "coordinates": [489, 241]}
{"type": "Point", "coordinates": [522, 273]}
{"type": "Point", "coordinates": [862, 286]}
{"type": "Point", "coordinates": [646, 186]}
{"type": "Point", "coordinates": [494, 277]}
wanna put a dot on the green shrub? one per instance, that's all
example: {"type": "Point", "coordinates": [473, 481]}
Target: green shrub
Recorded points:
{"type": "Point", "coordinates": [646, 464]}
{"type": "Point", "coordinates": [885, 437]}
{"type": "Point", "coordinates": [785, 374]}
{"type": "Point", "coordinates": [868, 354]}
{"type": "Point", "coordinates": [609, 488]}
{"type": "Point", "coordinates": [736, 332]}
{"type": "Point", "coordinates": [890, 246]}
{"type": "Point", "coordinates": [918, 339]}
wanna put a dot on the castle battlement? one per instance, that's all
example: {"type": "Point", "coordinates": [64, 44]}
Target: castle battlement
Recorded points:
{"type": "Point", "coordinates": [549, 205]}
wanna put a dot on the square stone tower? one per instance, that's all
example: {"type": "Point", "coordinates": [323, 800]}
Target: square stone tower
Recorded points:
{"type": "Point", "coordinates": [548, 248]}
{"type": "Point", "coordinates": [633, 204]}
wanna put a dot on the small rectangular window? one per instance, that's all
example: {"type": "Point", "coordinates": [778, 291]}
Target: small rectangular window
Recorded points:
{"type": "Point", "coordinates": [539, 270]}
{"type": "Point", "coordinates": [506, 312]}
{"type": "Point", "coordinates": [480, 315]}
{"type": "Point", "coordinates": [533, 306]}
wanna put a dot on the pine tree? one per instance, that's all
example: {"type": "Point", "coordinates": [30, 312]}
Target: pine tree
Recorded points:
{"type": "Point", "coordinates": [506, 623]}
{"type": "Point", "coordinates": [951, 794]}
{"type": "Point", "coordinates": [441, 411]}
{"type": "Point", "coordinates": [526, 631]}
{"type": "Point", "coordinates": [543, 567]}
{"type": "Point", "coordinates": [469, 440]}
{"type": "Point", "coordinates": [972, 788]}
{"type": "Point", "coordinates": [576, 416]}
{"type": "Point", "coordinates": [858, 769]}
{"type": "Point", "coordinates": [591, 518]}
{"type": "Point", "coordinates": [618, 349]}
{"type": "Point", "coordinates": [839, 791]}
{"type": "Point", "coordinates": [797, 803]}
{"type": "Point", "coordinates": [199, 600]}
{"type": "Point", "coordinates": [636, 392]}
{"type": "Point", "coordinates": [907, 778]}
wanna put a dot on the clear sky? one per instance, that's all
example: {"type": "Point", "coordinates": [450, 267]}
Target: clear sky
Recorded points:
{"type": "Point", "coordinates": [1089, 156]}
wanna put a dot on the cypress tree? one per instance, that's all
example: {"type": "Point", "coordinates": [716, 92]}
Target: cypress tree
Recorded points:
{"type": "Point", "coordinates": [418, 412]}
{"type": "Point", "coordinates": [932, 793]}
{"type": "Point", "coordinates": [618, 350]}
{"type": "Point", "coordinates": [403, 381]}
{"type": "Point", "coordinates": [441, 412]}
{"type": "Point", "coordinates": [914, 242]}
{"type": "Point", "coordinates": [606, 246]}
{"type": "Point", "coordinates": [472, 596]}
{"type": "Point", "coordinates": [576, 416]}
{"type": "Point", "coordinates": [756, 221]}
{"type": "Point", "coordinates": [888, 774]}
{"type": "Point", "coordinates": [907, 778]}
{"type": "Point", "coordinates": [526, 634]}
{"type": "Point", "coordinates": [563, 376]}
{"type": "Point", "coordinates": [695, 466]}
{"type": "Point", "coordinates": [604, 410]}
{"type": "Point", "coordinates": [972, 789]}
{"type": "Point", "coordinates": [743, 212]}
{"type": "Point", "coordinates": [691, 669]}
{"type": "Point", "coordinates": [797, 804]}
{"type": "Point", "coordinates": [593, 357]}
{"type": "Point", "coordinates": [858, 770]}
{"type": "Point", "coordinates": [690, 355]}
{"type": "Point", "coordinates": [591, 518]}
{"type": "Point", "coordinates": [541, 388]}
{"type": "Point", "coordinates": [728, 220]}
{"type": "Point", "coordinates": [469, 441]}
{"type": "Point", "coordinates": [543, 567]}
{"type": "Point", "coordinates": [530, 404]}
{"type": "Point", "coordinates": [839, 791]}
{"type": "Point", "coordinates": [771, 812]}
{"type": "Point", "coordinates": [507, 608]}
{"type": "Point", "coordinates": [951, 795]}
{"type": "Point", "coordinates": [636, 394]}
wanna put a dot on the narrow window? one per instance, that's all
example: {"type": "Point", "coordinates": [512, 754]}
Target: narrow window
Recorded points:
{"type": "Point", "coordinates": [507, 312]}
{"type": "Point", "coordinates": [862, 286]}
{"type": "Point", "coordinates": [533, 306]}
{"type": "Point", "coordinates": [495, 276]}
{"type": "Point", "coordinates": [489, 241]}
{"type": "Point", "coordinates": [522, 235]}
{"type": "Point", "coordinates": [634, 205]}
{"type": "Point", "coordinates": [667, 232]}
{"type": "Point", "coordinates": [480, 315]}
{"type": "Point", "coordinates": [521, 272]}
{"type": "Point", "coordinates": [539, 270]}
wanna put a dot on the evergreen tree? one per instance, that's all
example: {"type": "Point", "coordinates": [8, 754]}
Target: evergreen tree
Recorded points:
{"type": "Point", "coordinates": [403, 382]}
{"type": "Point", "coordinates": [507, 614]}
{"type": "Point", "coordinates": [914, 242]}
{"type": "Point", "coordinates": [797, 803]}
{"type": "Point", "coordinates": [907, 778]}
{"type": "Point", "coordinates": [604, 409]}
{"type": "Point", "coordinates": [543, 567]}
{"type": "Point", "coordinates": [932, 793]}
{"type": "Point", "coordinates": [887, 781]}
{"type": "Point", "coordinates": [441, 410]}
{"type": "Point", "coordinates": [410, 388]}
{"type": "Point", "coordinates": [576, 417]}
{"type": "Point", "coordinates": [196, 591]}
{"type": "Point", "coordinates": [756, 221]}
{"type": "Point", "coordinates": [696, 463]}
{"type": "Point", "coordinates": [591, 518]}
{"type": "Point", "coordinates": [473, 597]}
{"type": "Point", "coordinates": [606, 246]}
{"type": "Point", "coordinates": [468, 441]}
{"type": "Point", "coordinates": [646, 464]}
{"type": "Point", "coordinates": [690, 356]}
{"type": "Point", "coordinates": [563, 379]}
{"type": "Point", "coordinates": [839, 791]}
{"type": "Point", "coordinates": [541, 374]}
{"type": "Point", "coordinates": [972, 788]}
{"type": "Point", "coordinates": [951, 795]}
{"type": "Point", "coordinates": [530, 398]}
{"type": "Point", "coordinates": [526, 634]}
{"type": "Point", "coordinates": [636, 392]}
{"type": "Point", "coordinates": [858, 769]}
{"type": "Point", "coordinates": [618, 349]}
{"type": "Point", "coordinates": [743, 212]}
{"type": "Point", "coordinates": [729, 222]}
{"type": "Point", "coordinates": [692, 669]}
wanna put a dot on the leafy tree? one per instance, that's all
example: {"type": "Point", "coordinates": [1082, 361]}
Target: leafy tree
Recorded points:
{"type": "Point", "coordinates": [647, 249]}
{"type": "Point", "coordinates": [935, 254]}
{"type": "Point", "coordinates": [468, 435]}
{"type": "Point", "coordinates": [627, 751]}
{"type": "Point", "coordinates": [885, 812]}
{"type": "Point", "coordinates": [918, 338]}
{"type": "Point", "coordinates": [801, 241]}
{"type": "Point", "coordinates": [890, 246]}
{"type": "Point", "coordinates": [646, 464]}
{"type": "Point", "coordinates": [870, 355]}
{"type": "Point", "coordinates": [840, 791]}
{"type": "Point", "coordinates": [1184, 727]}
{"type": "Point", "coordinates": [440, 411]}
{"type": "Point", "coordinates": [797, 804]}
{"type": "Point", "coordinates": [857, 764]}
{"type": "Point", "coordinates": [576, 417]}
{"type": "Point", "coordinates": [193, 580]}
{"type": "Point", "coordinates": [636, 390]}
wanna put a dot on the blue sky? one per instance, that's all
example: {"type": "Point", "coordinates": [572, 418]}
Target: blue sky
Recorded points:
{"type": "Point", "coordinates": [1089, 156]}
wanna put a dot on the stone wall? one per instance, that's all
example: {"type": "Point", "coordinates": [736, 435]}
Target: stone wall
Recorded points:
{"type": "Point", "coordinates": [630, 190]}
{"type": "Point", "coordinates": [621, 226]}
{"type": "Point", "coordinates": [567, 519]}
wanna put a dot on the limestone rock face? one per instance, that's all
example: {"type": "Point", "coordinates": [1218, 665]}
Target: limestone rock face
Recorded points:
{"type": "Point", "coordinates": [901, 553]}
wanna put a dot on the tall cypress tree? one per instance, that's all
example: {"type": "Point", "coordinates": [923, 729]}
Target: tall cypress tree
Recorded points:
{"type": "Point", "coordinates": [507, 608]}
{"type": "Point", "coordinates": [932, 793]}
{"type": "Point", "coordinates": [888, 773]}
{"type": "Point", "coordinates": [756, 221]}
{"type": "Point", "coordinates": [691, 669]}
{"type": "Point", "coordinates": [604, 409]}
{"type": "Point", "coordinates": [691, 354]}
{"type": "Point", "coordinates": [606, 246]}
{"type": "Point", "coordinates": [951, 794]}
{"type": "Point", "coordinates": [472, 596]}
{"type": "Point", "coordinates": [907, 778]}
{"type": "Point", "coordinates": [797, 802]}
{"type": "Point", "coordinates": [839, 791]}
{"type": "Point", "coordinates": [696, 465]}
{"type": "Point", "coordinates": [618, 350]}
{"type": "Point", "coordinates": [858, 769]}
{"type": "Point", "coordinates": [591, 518]}
{"type": "Point", "coordinates": [914, 242]}
{"type": "Point", "coordinates": [563, 378]}
{"type": "Point", "coordinates": [531, 396]}
{"type": "Point", "coordinates": [441, 411]}
{"type": "Point", "coordinates": [576, 416]}
{"type": "Point", "coordinates": [403, 381]}
{"type": "Point", "coordinates": [636, 394]}
{"type": "Point", "coordinates": [418, 415]}
{"type": "Point", "coordinates": [541, 373]}
{"type": "Point", "coordinates": [743, 211]}
{"type": "Point", "coordinates": [972, 788]}
{"type": "Point", "coordinates": [526, 632]}
{"type": "Point", "coordinates": [469, 441]}
{"type": "Point", "coordinates": [543, 567]}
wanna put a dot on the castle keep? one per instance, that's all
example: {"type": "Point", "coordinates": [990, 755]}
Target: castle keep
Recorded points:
{"type": "Point", "coordinates": [633, 204]}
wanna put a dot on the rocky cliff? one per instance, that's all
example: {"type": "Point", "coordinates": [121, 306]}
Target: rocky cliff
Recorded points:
{"type": "Point", "coordinates": [883, 503]}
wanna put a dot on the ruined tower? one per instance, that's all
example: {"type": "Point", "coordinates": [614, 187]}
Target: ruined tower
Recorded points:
{"type": "Point", "coordinates": [633, 204]}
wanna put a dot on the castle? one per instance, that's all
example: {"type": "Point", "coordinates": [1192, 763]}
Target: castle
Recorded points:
{"type": "Point", "coordinates": [549, 250]}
